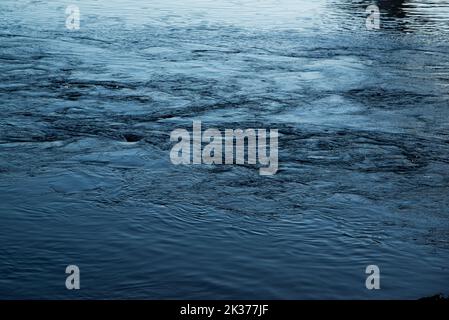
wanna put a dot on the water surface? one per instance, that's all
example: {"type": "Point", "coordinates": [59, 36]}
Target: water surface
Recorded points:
{"type": "Point", "coordinates": [86, 179]}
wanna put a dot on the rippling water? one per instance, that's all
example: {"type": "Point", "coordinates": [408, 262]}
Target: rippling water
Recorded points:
{"type": "Point", "coordinates": [86, 179]}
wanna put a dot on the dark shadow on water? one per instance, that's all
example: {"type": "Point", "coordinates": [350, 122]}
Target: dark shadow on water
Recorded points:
{"type": "Point", "coordinates": [401, 15]}
{"type": "Point", "coordinates": [392, 8]}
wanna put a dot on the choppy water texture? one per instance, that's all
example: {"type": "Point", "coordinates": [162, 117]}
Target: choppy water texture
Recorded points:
{"type": "Point", "coordinates": [84, 149]}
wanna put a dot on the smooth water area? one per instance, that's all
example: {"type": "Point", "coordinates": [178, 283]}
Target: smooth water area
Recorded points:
{"type": "Point", "coordinates": [86, 178]}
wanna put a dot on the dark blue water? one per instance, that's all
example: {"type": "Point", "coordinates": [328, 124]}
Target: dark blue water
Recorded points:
{"type": "Point", "coordinates": [86, 178]}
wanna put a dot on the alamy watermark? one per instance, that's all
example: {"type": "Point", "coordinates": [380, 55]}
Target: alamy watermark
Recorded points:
{"type": "Point", "coordinates": [373, 280]}
{"type": "Point", "coordinates": [219, 148]}
{"type": "Point", "coordinates": [372, 22]}
{"type": "Point", "coordinates": [72, 21]}
{"type": "Point", "coordinates": [72, 282]}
